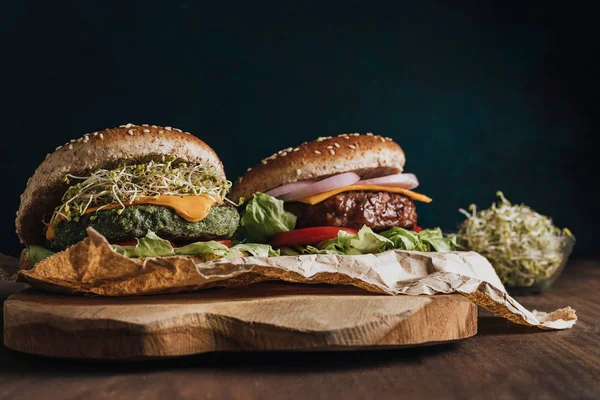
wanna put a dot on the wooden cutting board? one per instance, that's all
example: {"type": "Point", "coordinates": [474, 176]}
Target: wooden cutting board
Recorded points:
{"type": "Point", "coordinates": [266, 316]}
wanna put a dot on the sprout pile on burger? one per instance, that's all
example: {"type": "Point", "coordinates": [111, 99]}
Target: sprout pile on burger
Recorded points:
{"type": "Point", "coordinates": [336, 195]}
{"type": "Point", "coordinates": [149, 190]}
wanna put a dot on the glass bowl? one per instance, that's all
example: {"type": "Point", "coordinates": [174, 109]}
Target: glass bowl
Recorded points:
{"type": "Point", "coordinates": [525, 264]}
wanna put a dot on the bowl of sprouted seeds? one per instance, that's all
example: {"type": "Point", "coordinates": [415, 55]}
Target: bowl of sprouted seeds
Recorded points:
{"type": "Point", "coordinates": [525, 248]}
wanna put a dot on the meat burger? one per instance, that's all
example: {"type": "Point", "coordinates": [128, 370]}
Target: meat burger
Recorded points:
{"type": "Point", "coordinates": [349, 181]}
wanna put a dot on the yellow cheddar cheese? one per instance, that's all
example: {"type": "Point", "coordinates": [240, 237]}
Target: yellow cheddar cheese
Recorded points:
{"type": "Point", "coordinates": [317, 198]}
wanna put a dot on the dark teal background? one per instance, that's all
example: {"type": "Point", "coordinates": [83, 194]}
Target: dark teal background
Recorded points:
{"type": "Point", "coordinates": [481, 97]}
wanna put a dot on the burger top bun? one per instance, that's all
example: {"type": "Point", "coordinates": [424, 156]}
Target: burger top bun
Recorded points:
{"type": "Point", "coordinates": [106, 149]}
{"type": "Point", "coordinates": [368, 155]}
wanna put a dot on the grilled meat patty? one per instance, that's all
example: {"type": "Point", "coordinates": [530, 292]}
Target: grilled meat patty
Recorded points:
{"type": "Point", "coordinates": [377, 210]}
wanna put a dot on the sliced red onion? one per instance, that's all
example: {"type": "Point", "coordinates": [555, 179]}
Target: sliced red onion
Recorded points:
{"type": "Point", "coordinates": [405, 181]}
{"type": "Point", "coordinates": [288, 187]}
{"type": "Point", "coordinates": [333, 182]}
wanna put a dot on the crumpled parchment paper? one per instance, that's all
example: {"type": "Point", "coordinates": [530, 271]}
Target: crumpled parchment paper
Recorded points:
{"type": "Point", "coordinates": [91, 267]}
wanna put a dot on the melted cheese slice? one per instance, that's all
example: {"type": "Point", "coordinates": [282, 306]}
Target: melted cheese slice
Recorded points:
{"type": "Point", "coordinates": [190, 208]}
{"type": "Point", "coordinates": [317, 198]}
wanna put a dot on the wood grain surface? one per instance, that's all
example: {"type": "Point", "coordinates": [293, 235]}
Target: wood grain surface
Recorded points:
{"type": "Point", "coordinates": [264, 316]}
{"type": "Point", "coordinates": [503, 361]}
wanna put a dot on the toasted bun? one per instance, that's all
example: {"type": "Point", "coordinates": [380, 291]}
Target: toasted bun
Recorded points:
{"type": "Point", "coordinates": [368, 155]}
{"type": "Point", "coordinates": [107, 149]}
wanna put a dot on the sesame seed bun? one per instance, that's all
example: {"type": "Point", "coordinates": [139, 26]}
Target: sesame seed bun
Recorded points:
{"type": "Point", "coordinates": [368, 155]}
{"type": "Point", "coordinates": [106, 149]}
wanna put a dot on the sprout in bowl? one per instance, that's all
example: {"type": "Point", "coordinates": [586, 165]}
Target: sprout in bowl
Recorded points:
{"type": "Point", "coordinates": [526, 249]}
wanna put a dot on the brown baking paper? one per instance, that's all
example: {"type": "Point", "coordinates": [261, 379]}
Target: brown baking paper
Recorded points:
{"type": "Point", "coordinates": [91, 267]}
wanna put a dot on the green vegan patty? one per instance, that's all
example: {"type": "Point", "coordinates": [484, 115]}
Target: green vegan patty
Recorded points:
{"type": "Point", "coordinates": [135, 221]}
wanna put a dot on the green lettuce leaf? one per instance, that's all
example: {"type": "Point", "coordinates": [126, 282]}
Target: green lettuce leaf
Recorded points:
{"type": "Point", "coordinates": [200, 248]}
{"type": "Point", "coordinates": [149, 246]}
{"type": "Point", "coordinates": [264, 217]}
{"type": "Point", "coordinates": [153, 246]}
{"type": "Point", "coordinates": [38, 253]}
{"type": "Point", "coordinates": [435, 238]}
{"type": "Point", "coordinates": [426, 240]}
{"type": "Point", "coordinates": [403, 239]}
{"type": "Point", "coordinates": [257, 250]}
{"type": "Point", "coordinates": [330, 250]}
{"type": "Point", "coordinates": [366, 241]}
{"type": "Point", "coordinates": [290, 251]}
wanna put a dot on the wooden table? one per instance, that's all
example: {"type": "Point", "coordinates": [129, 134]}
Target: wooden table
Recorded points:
{"type": "Point", "coordinates": [503, 361]}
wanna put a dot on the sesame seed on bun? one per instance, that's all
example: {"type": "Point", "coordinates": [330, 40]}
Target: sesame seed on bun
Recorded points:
{"type": "Point", "coordinates": [108, 149]}
{"type": "Point", "coordinates": [368, 155]}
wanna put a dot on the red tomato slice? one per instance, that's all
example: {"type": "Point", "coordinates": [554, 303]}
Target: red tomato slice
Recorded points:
{"type": "Point", "coordinates": [417, 228]}
{"type": "Point", "coordinates": [226, 242]}
{"type": "Point", "coordinates": [301, 237]}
